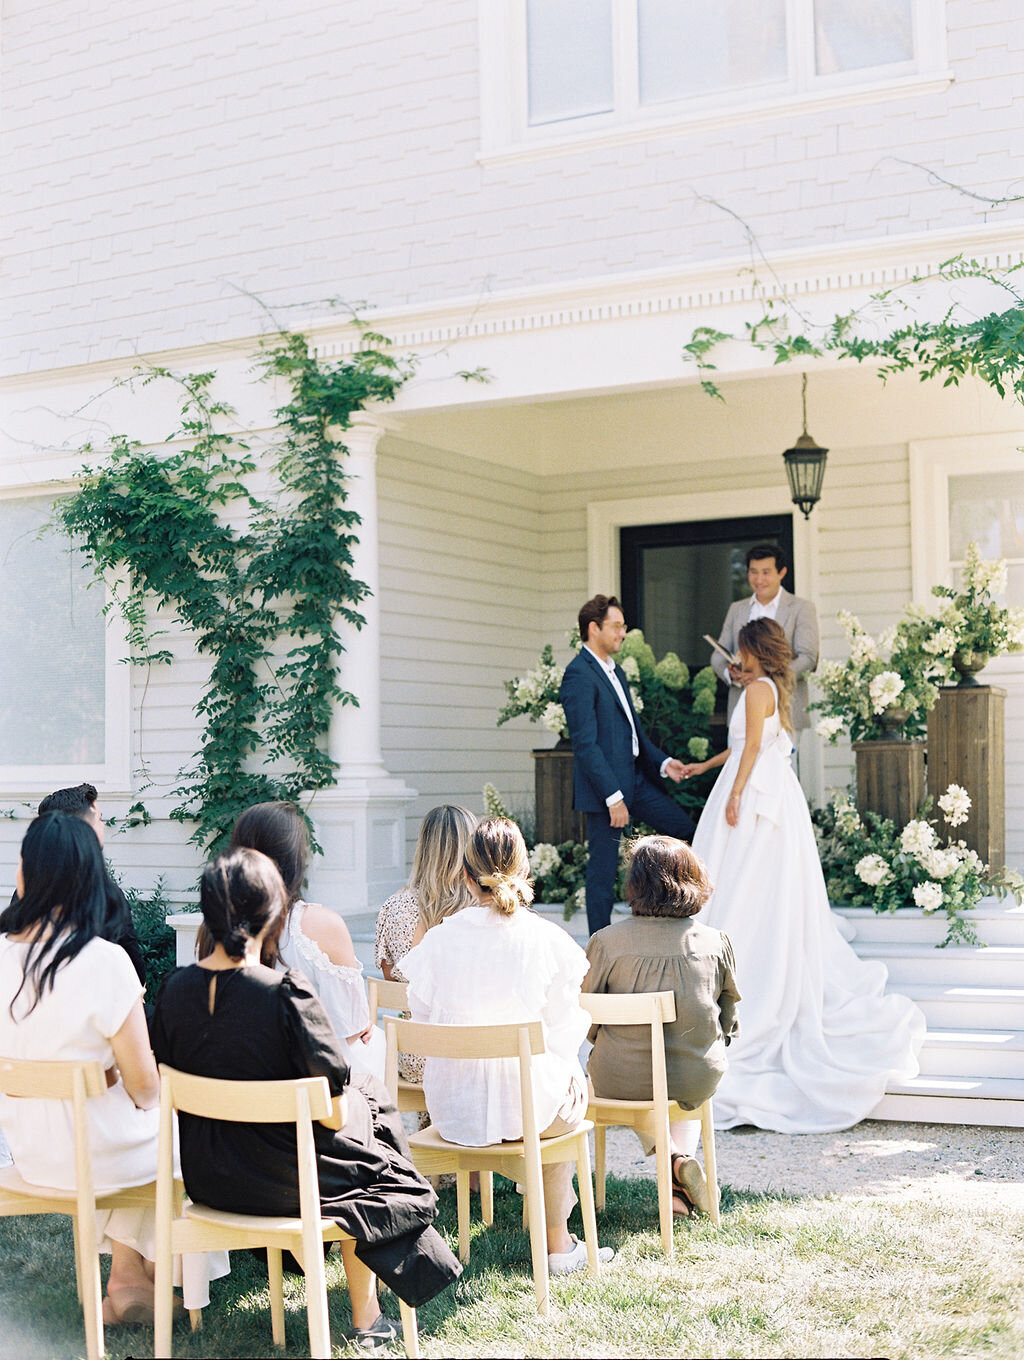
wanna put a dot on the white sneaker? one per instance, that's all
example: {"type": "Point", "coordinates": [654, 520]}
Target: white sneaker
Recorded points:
{"type": "Point", "coordinates": [565, 1262]}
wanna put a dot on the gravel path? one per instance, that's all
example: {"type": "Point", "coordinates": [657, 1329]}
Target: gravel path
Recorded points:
{"type": "Point", "coordinates": [945, 1162]}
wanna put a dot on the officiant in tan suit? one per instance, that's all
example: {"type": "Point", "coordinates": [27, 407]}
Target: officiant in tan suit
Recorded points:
{"type": "Point", "coordinates": [798, 619]}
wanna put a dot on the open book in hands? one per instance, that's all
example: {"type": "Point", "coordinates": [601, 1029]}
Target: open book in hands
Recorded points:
{"type": "Point", "coordinates": [732, 660]}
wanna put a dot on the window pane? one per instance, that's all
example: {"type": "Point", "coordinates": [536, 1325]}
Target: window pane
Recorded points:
{"type": "Point", "coordinates": [569, 58]}
{"type": "Point", "coordinates": [852, 34]}
{"type": "Point", "coordinates": [52, 651]}
{"type": "Point", "coordinates": [692, 46]}
{"type": "Point", "coordinates": [988, 510]}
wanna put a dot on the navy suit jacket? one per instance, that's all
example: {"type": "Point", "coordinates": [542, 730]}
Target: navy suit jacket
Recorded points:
{"type": "Point", "coordinates": [602, 744]}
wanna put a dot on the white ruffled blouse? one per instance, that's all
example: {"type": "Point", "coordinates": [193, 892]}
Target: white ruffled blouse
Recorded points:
{"type": "Point", "coordinates": [477, 968]}
{"type": "Point", "coordinates": [341, 990]}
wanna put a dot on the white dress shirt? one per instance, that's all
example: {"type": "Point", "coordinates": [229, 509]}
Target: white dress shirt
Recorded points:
{"type": "Point", "coordinates": [764, 611]}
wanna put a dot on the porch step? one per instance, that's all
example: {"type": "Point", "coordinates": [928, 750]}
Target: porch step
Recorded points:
{"type": "Point", "coordinates": [996, 922]}
{"type": "Point", "coordinates": [949, 1006]}
{"type": "Point", "coordinates": [945, 1107]}
{"type": "Point", "coordinates": [997, 965]}
{"type": "Point", "coordinates": [973, 1053]}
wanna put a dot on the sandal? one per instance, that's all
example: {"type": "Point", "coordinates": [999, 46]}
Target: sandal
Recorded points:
{"type": "Point", "coordinates": [133, 1307]}
{"type": "Point", "coordinates": [681, 1207]}
{"type": "Point", "coordinates": [689, 1180]}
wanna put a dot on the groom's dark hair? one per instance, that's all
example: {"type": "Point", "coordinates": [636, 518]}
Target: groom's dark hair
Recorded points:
{"type": "Point", "coordinates": [762, 550]}
{"type": "Point", "coordinates": [595, 611]}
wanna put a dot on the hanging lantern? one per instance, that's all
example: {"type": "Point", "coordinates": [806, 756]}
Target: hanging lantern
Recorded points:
{"type": "Point", "coordinates": [805, 466]}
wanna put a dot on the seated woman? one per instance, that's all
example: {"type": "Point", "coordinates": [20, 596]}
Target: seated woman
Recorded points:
{"type": "Point", "coordinates": [231, 1017]}
{"type": "Point", "coordinates": [66, 994]}
{"type": "Point", "coordinates": [437, 889]}
{"type": "Point", "coordinates": [660, 948]}
{"type": "Point", "coordinates": [313, 940]}
{"type": "Point", "coordinates": [493, 963]}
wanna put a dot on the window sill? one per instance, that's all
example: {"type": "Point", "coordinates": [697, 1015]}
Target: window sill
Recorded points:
{"type": "Point", "coordinates": [544, 143]}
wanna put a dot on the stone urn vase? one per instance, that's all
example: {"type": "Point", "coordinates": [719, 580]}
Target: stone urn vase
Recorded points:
{"type": "Point", "coordinates": [968, 663]}
{"type": "Point", "coordinates": [892, 721]}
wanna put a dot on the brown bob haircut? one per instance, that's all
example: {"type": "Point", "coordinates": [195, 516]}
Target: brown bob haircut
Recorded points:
{"type": "Point", "coordinates": [665, 878]}
{"type": "Point", "coordinates": [595, 611]}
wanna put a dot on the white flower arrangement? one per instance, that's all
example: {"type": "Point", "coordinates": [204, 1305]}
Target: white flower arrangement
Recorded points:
{"type": "Point", "coordinates": [884, 689]}
{"type": "Point", "coordinates": [955, 804]}
{"type": "Point", "coordinates": [634, 694]}
{"type": "Point", "coordinates": [553, 718]}
{"type": "Point", "coordinates": [917, 837]}
{"type": "Point", "coordinates": [872, 870]}
{"type": "Point", "coordinates": [940, 864]}
{"type": "Point", "coordinates": [928, 896]}
{"type": "Point", "coordinates": [631, 669]}
{"type": "Point", "coordinates": [830, 728]}
{"type": "Point", "coordinates": [544, 859]}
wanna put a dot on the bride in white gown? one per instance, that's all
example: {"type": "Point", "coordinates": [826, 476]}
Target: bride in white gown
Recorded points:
{"type": "Point", "coordinates": [819, 1037]}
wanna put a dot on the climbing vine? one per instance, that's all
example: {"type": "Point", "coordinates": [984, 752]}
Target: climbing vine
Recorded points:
{"type": "Point", "coordinates": [260, 582]}
{"type": "Point", "coordinates": [990, 347]}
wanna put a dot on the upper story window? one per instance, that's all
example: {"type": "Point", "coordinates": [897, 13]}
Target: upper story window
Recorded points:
{"type": "Point", "coordinates": [558, 71]}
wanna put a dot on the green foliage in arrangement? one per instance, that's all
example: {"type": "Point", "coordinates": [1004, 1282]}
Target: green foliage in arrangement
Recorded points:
{"type": "Point", "coordinates": [156, 937]}
{"type": "Point", "coordinates": [990, 347]}
{"type": "Point", "coordinates": [259, 582]}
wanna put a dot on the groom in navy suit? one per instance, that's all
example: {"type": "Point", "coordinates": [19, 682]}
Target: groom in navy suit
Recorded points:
{"type": "Point", "coordinates": [615, 765]}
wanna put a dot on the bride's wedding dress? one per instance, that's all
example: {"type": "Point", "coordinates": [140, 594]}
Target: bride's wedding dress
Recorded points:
{"type": "Point", "coordinates": [819, 1037]}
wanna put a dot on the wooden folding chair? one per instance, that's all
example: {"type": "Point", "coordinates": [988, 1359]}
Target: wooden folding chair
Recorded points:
{"type": "Point", "coordinates": [77, 1082]}
{"type": "Point", "coordinates": [521, 1161]}
{"type": "Point", "coordinates": [394, 996]}
{"type": "Point", "coordinates": [199, 1228]}
{"type": "Point", "coordinates": [653, 1116]}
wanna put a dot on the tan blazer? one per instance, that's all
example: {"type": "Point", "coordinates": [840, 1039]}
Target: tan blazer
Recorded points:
{"type": "Point", "coordinates": [798, 619]}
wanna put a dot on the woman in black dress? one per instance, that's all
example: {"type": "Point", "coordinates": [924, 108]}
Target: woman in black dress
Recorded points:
{"type": "Point", "coordinates": [230, 1017]}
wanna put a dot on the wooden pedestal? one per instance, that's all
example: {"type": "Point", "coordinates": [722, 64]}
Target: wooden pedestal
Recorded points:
{"type": "Point", "coordinates": [556, 821]}
{"type": "Point", "coordinates": [967, 746]}
{"type": "Point", "coordinates": [890, 778]}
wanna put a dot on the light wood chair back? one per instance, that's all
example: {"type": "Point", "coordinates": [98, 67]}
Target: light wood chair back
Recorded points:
{"type": "Point", "coordinates": [653, 1116]}
{"type": "Point", "coordinates": [199, 1228]}
{"type": "Point", "coordinates": [521, 1161]}
{"type": "Point", "coordinates": [76, 1082]}
{"type": "Point", "coordinates": [385, 995]}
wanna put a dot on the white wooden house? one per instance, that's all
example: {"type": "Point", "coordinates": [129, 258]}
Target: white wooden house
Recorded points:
{"type": "Point", "coordinates": [558, 192]}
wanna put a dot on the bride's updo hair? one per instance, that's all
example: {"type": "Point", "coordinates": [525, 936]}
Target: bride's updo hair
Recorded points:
{"type": "Point", "coordinates": [241, 893]}
{"type": "Point", "coordinates": [497, 861]}
{"type": "Point", "coordinates": [665, 878]}
{"type": "Point", "coordinates": [765, 642]}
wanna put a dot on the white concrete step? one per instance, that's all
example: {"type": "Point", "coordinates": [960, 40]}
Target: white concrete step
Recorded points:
{"type": "Point", "coordinates": [945, 1107]}
{"type": "Point", "coordinates": [950, 1006]}
{"type": "Point", "coordinates": [973, 1053]}
{"type": "Point", "coordinates": [995, 922]}
{"type": "Point", "coordinates": [997, 965]}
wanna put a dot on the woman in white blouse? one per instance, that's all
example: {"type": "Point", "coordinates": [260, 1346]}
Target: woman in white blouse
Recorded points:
{"type": "Point", "coordinates": [313, 940]}
{"type": "Point", "coordinates": [494, 963]}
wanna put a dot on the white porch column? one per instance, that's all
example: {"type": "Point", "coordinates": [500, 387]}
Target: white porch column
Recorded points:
{"type": "Point", "coordinates": [360, 821]}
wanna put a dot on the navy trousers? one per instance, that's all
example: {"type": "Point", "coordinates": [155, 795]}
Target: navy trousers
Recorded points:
{"type": "Point", "coordinates": [648, 804]}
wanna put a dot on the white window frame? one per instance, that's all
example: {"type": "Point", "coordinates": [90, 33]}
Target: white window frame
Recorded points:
{"type": "Point", "coordinates": [932, 463]}
{"type": "Point", "coordinates": [505, 133]}
{"type": "Point", "coordinates": [112, 777]}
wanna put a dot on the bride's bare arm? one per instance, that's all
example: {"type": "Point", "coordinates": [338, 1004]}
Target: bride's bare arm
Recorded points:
{"type": "Point", "coordinates": [702, 766]}
{"type": "Point", "coordinates": [759, 702]}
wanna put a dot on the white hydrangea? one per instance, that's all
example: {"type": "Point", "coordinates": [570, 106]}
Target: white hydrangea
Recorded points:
{"type": "Point", "coordinates": [984, 576]}
{"type": "Point", "coordinates": [544, 859]}
{"type": "Point", "coordinates": [579, 899]}
{"type": "Point", "coordinates": [553, 719]}
{"type": "Point", "coordinates": [848, 821]}
{"type": "Point", "coordinates": [928, 896]}
{"type": "Point", "coordinates": [884, 690]}
{"type": "Point", "coordinates": [634, 694]}
{"type": "Point", "coordinates": [941, 643]}
{"type": "Point", "coordinates": [955, 804]}
{"type": "Point", "coordinates": [631, 668]}
{"type": "Point", "coordinates": [862, 648]}
{"type": "Point", "coordinates": [939, 863]}
{"type": "Point", "coordinates": [830, 728]}
{"type": "Point", "coordinates": [917, 837]}
{"type": "Point", "coordinates": [872, 870]}
{"type": "Point", "coordinates": [1015, 630]}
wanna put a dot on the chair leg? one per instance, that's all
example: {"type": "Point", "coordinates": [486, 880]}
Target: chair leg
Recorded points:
{"type": "Point", "coordinates": [539, 1249]}
{"type": "Point", "coordinates": [487, 1197]}
{"type": "Point", "coordinates": [410, 1329]}
{"type": "Point", "coordinates": [663, 1171]}
{"type": "Point", "coordinates": [600, 1164]}
{"type": "Point", "coordinates": [316, 1306]}
{"type": "Point", "coordinates": [275, 1278]}
{"type": "Point", "coordinates": [92, 1289]}
{"type": "Point", "coordinates": [707, 1133]}
{"type": "Point", "coordinates": [78, 1256]}
{"type": "Point", "coordinates": [462, 1200]}
{"type": "Point", "coordinates": [586, 1188]}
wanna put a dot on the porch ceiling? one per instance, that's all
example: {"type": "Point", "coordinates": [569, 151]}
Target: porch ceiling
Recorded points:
{"type": "Point", "coordinates": [847, 408]}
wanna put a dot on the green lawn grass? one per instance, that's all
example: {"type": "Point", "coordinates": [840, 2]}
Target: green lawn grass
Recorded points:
{"type": "Point", "coordinates": [781, 1277]}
